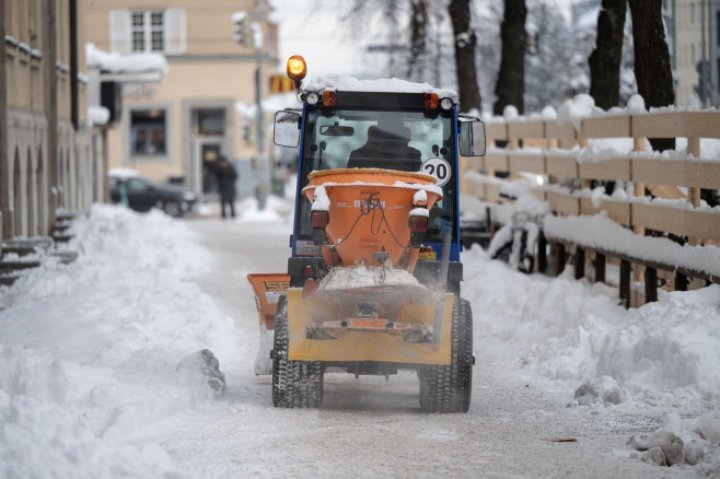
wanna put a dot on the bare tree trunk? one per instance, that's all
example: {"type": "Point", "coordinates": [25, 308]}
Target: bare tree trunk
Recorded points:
{"type": "Point", "coordinates": [418, 36]}
{"type": "Point", "coordinates": [606, 58]}
{"type": "Point", "coordinates": [465, 41]}
{"type": "Point", "coordinates": [653, 71]}
{"type": "Point", "coordinates": [510, 86]}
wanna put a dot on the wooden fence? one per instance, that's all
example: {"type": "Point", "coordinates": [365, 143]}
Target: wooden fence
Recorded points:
{"type": "Point", "coordinates": [664, 189]}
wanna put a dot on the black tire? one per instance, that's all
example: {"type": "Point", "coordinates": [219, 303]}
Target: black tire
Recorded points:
{"type": "Point", "coordinates": [448, 389]}
{"type": "Point", "coordinates": [295, 384]}
{"type": "Point", "coordinates": [173, 208]}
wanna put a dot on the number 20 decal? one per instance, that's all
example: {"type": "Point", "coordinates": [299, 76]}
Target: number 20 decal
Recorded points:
{"type": "Point", "coordinates": [439, 168]}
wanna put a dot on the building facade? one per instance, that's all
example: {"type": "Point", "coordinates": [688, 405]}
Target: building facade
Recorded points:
{"type": "Point", "coordinates": [170, 130]}
{"type": "Point", "coordinates": [696, 51]}
{"type": "Point", "coordinates": [50, 157]}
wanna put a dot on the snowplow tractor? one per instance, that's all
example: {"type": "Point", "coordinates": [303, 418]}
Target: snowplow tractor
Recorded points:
{"type": "Point", "coordinates": [373, 281]}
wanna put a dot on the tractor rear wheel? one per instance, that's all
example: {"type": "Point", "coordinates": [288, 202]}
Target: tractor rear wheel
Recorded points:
{"type": "Point", "coordinates": [295, 384]}
{"type": "Point", "coordinates": [448, 388]}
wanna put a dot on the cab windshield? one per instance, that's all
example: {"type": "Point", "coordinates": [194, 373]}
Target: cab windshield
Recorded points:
{"type": "Point", "coordinates": [403, 140]}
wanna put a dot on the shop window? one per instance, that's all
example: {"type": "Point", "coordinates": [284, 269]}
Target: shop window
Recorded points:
{"type": "Point", "coordinates": [148, 135]}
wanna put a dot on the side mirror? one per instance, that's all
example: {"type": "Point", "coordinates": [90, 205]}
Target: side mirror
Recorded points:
{"type": "Point", "coordinates": [472, 136]}
{"type": "Point", "coordinates": [287, 128]}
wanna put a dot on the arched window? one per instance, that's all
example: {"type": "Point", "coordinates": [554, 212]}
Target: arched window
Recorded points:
{"type": "Point", "coordinates": [17, 195]}
{"type": "Point", "coordinates": [31, 202]}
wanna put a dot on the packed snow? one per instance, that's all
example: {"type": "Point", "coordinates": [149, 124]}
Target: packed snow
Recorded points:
{"type": "Point", "coordinates": [602, 233]}
{"type": "Point", "coordinates": [115, 365]}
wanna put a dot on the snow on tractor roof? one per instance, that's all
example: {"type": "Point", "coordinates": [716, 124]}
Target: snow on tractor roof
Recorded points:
{"type": "Point", "coordinates": [388, 85]}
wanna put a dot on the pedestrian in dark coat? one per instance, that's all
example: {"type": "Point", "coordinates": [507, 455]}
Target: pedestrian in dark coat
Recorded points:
{"type": "Point", "coordinates": [226, 177]}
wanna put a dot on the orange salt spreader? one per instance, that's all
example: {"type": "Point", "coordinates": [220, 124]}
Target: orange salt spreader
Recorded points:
{"type": "Point", "coordinates": [373, 280]}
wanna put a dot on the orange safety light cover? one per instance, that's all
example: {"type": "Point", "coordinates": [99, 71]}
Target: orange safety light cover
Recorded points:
{"type": "Point", "coordinates": [296, 67]}
{"type": "Point", "coordinates": [329, 98]}
{"type": "Point", "coordinates": [431, 101]}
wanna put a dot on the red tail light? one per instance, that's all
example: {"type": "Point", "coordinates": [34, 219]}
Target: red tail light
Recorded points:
{"type": "Point", "coordinates": [418, 224]}
{"type": "Point", "coordinates": [319, 219]}
{"type": "Point", "coordinates": [329, 98]}
{"type": "Point", "coordinates": [431, 101]}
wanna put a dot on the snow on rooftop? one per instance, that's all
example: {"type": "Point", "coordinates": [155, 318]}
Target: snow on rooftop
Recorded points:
{"type": "Point", "coordinates": [124, 63]}
{"type": "Point", "coordinates": [391, 85]}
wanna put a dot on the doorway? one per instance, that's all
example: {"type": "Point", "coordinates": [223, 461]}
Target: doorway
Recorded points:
{"type": "Point", "coordinates": [209, 137]}
{"type": "Point", "coordinates": [208, 152]}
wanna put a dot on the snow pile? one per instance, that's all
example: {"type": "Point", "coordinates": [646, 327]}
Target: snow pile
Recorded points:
{"type": "Point", "coordinates": [124, 173]}
{"type": "Point", "coordinates": [321, 202]}
{"type": "Point", "coordinates": [89, 350]}
{"type": "Point", "coordinates": [129, 63]}
{"type": "Point", "coordinates": [97, 115]}
{"type": "Point", "coordinates": [361, 276]}
{"type": "Point", "coordinates": [275, 210]}
{"type": "Point", "coordinates": [43, 439]}
{"type": "Point", "coordinates": [600, 232]}
{"type": "Point", "coordinates": [573, 111]}
{"type": "Point", "coordinates": [572, 333]}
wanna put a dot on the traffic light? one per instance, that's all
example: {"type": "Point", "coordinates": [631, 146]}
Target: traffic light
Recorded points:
{"type": "Point", "coordinates": [241, 28]}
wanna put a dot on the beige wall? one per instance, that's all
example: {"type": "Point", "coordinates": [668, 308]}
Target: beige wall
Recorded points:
{"type": "Point", "coordinates": [209, 24]}
{"type": "Point", "coordinates": [28, 125]}
{"type": "Point", "coordinates": [212, 72]}
{"type": "Point", "coordinates": [185, 83]}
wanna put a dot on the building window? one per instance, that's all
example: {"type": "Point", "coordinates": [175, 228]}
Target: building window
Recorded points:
{"type": "Point", "coordinates": [148, 31]}
{"type": "Point", "coordinates": [148, 132]}
{"type": "Point", "coordinates": [211, 122]}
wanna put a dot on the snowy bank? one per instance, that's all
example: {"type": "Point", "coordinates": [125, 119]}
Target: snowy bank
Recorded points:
{"type": "Point", "coordinates": [569, 333]}
{"type": "Point", "coordinates": [89, 351]}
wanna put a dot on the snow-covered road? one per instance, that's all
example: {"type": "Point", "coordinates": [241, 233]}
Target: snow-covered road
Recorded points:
{"type": "Point", "coordinates": [105, 400]}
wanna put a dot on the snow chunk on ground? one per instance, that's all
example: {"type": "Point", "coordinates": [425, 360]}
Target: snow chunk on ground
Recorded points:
{"type": "Point", "coordinates": [202, 368]}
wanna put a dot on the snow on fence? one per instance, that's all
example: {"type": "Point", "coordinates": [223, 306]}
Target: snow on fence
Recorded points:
{"type": "Point", "coordinates": [558, 162]}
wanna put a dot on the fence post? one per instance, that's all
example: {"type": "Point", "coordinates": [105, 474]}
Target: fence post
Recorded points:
{"type": "Point", "coordinates": [625, 272]}
{"type": "Point", "coordinates": [542, 252]}
{"type": "Point", "coordinates": [650, 285]}
{"type": "Point", "coordinates": [599, 268]}
{"type": "Point", "coordinates": [560, 258]}
{"type": "Point", "coordinates": [681, 282]}
{"type": "Point", "coordinates": [579, 263]}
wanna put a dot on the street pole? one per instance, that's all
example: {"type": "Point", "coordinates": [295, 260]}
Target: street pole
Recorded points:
{"type": "Point", "coordinates": [263, 187]}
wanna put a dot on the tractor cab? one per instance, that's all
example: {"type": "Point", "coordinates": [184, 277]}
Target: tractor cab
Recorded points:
{"type": "Point", "coordinates": [395, 125]}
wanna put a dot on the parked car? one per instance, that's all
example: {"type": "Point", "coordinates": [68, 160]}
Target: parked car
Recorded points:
{"type": "Point", "coordinates": [130, 188]}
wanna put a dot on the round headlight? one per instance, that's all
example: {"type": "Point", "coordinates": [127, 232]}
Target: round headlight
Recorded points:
{"type": "Point", "coordinates": [446, 103]}
{"type": "Point", "coordinates": [312, 98]}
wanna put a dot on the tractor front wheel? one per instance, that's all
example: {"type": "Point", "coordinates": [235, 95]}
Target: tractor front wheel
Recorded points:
{"type": "Point", "coordinates": [447, 389]}
{"type": "Point", "coordinates": [295, 384]}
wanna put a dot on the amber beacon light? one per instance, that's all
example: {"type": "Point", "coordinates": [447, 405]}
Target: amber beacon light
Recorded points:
{"type": "Point", "coordinates": [296, 68]}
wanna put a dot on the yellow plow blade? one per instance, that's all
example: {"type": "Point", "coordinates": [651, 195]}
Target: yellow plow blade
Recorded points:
{"type": "Point", "coordinates": [377, 345]}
